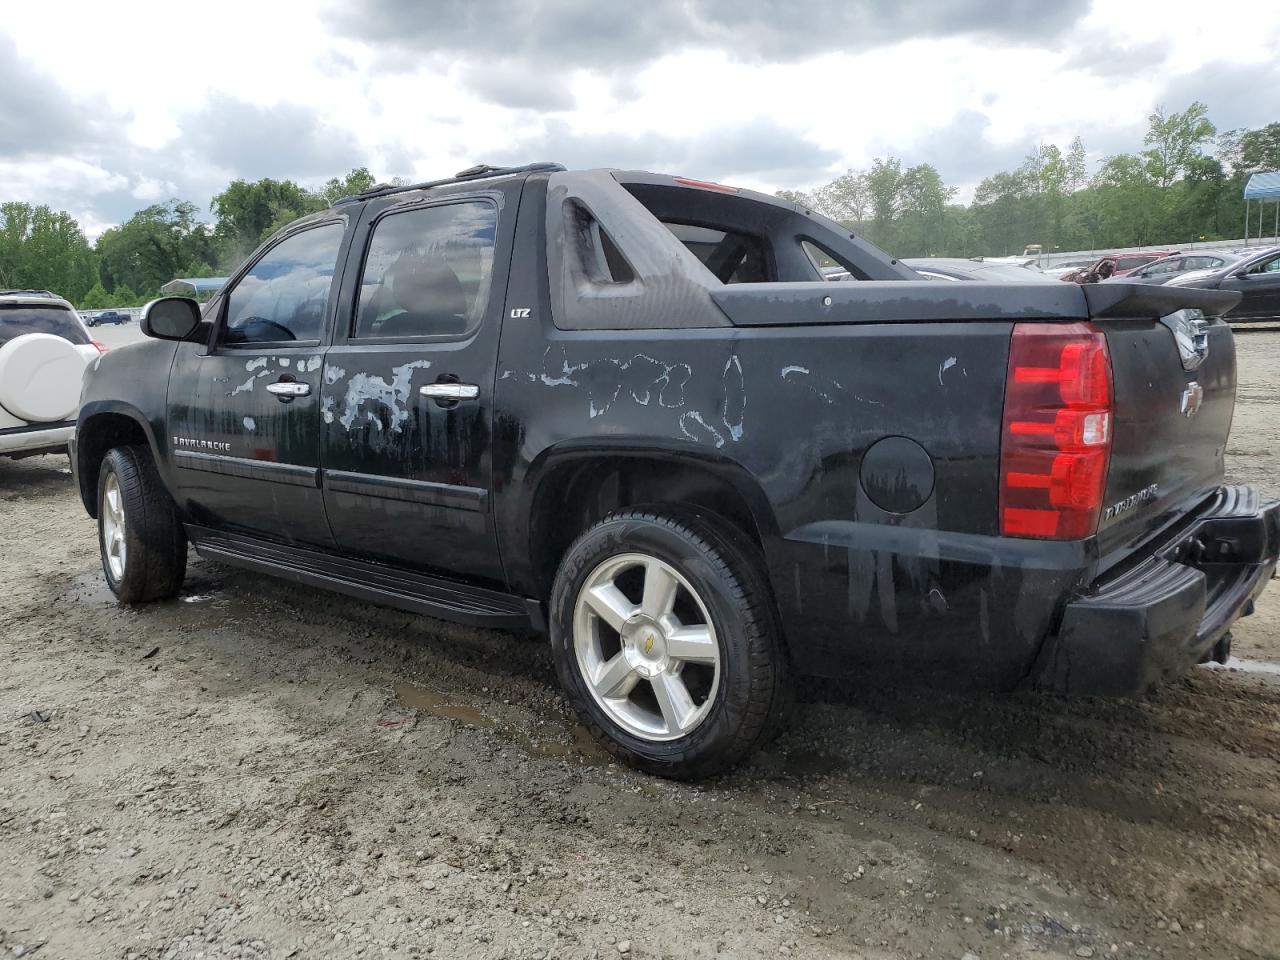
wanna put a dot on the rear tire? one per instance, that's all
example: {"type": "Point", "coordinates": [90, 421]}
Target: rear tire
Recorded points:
{"type": "Point", "coordinates": [140, 538]}
{"type": "Point", "coordinates": [666, 641]}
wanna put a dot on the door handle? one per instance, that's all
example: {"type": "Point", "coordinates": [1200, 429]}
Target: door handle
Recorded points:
{"type": "Point", "coordinates": [287, 390]}
{"type": "Point", "coordinates": [450, 391]}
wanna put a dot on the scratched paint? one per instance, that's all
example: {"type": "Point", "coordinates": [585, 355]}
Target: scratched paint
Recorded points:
{"type": "Point", "coordinates": [250, 424]}
{"type": "Point", "coordinates": [946, 365]}
{"type": "Point", "coordinates": [254, 364]}
{"type": "Point", "coordinates": [365, 388]}
{"type": "Point", "coordinates": [246, 387]}
{"type": "Point", "coordinates": [735, 399]}
{"type": "Point", "coordinates": [827, 389]}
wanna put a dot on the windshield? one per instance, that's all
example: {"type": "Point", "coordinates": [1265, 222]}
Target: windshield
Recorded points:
{"type": "Point", "coordinates": [19, 319]}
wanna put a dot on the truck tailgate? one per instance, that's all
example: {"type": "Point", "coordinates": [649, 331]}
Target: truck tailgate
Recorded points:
{"type": "Point", "coordinates": [1174, 372]}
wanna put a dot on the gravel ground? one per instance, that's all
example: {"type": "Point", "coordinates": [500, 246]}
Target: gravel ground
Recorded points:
{"type": "Point", "coordinates": [260, 770]}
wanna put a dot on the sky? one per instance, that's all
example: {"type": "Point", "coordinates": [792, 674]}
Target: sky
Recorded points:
{"type": "Point", "coordinates": [108, 107]}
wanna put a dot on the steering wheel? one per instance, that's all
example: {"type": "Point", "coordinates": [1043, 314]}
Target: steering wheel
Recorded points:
{"type": "Point", "coordinates": [258, 330]}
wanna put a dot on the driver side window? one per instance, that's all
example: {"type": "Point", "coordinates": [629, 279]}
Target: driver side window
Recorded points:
{"type": "Point", "coordinates": [285, 295]}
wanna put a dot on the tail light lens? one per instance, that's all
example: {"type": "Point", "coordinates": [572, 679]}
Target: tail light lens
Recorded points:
{"type": "Point", "coordinates": [1056, 441]}
{"type": "Point", "coordinates": [102, 347]}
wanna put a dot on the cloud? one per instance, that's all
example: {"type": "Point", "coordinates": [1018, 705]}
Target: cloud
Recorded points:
{"type": "Point", "coordinates": [252, 141]}
{"type": "Point", "coordinates": [535, 40]}
{"type": "Point", "coordinates": [1103, 57]}
{"type": "Point", "coordinates": [1237, 94]}
{"type": "Point", "coordinates": [36, 117]}
{"type": "Point", "coordinates": [510, 84]}
{"type": "Point", "coordinates": [759, 150]}
{"type": "Point", "coordinates": [961, 151]}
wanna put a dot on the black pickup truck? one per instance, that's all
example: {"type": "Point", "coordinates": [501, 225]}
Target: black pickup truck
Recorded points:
{"type": "Point", "coordinates": [626, 410]}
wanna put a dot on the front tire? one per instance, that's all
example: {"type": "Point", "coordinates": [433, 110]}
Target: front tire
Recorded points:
{"type": "Point", "coordinates": [666, 640]}
{"type": "Point", "coordinates": [144, 551]}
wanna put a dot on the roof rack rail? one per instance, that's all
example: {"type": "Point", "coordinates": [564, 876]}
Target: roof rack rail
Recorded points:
{"type": "Point", "coordinates": [29, 293]}
{"type": "Point", "coordinates": [481, 171]}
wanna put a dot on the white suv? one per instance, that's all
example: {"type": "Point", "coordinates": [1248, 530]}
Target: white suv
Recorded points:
{"type": "Point", "coordinates": [44, 349]}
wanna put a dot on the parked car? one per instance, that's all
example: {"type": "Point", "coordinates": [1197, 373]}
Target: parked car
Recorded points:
{"type": "Point", "coordinates": [108, 316]}
{"type": "Point", "coordinates": [1162, 271]}
{"type": "Point", "coordinates": [1058, 270]}
{"type": "Point", "coordinates": [956, 268]}
{"type": "Point", "coordinates": [1119, 265]}
{"type": "Point", "coordinates": [626, 409]}
{"type": "Point", "coordinates": [44, 349]}
{"type": "Point", "coordinates": [1256, 277]}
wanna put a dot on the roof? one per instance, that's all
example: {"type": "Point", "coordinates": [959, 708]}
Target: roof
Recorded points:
{"type": "Point", "coordinates": [481, 171]}
{"type": "Point", "coordinates": [1263, 186]}
{"type": "Point", "coordinates": [189, 285]}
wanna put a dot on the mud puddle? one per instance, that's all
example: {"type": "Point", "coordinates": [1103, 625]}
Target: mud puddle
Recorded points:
{"type": "Point", "coordinates": [583, 748]}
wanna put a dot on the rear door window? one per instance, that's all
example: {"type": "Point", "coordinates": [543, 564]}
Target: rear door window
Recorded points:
{"type": "Point", "coordinates": [19, 319]}
{"type": "Point", "coordinates": [427, 272]}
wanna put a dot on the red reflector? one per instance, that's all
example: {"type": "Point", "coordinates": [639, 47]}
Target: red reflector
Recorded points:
{"type": "Point", "coordinates": [1056, 441]}
{"type": "Point", "coordinates": [705, 185]}
{"type": "Point", "coordinates": [102, 347]}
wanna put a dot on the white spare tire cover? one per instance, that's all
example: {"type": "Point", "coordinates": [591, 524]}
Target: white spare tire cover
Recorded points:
{"type": "Point", "coordinates": [40, 377]}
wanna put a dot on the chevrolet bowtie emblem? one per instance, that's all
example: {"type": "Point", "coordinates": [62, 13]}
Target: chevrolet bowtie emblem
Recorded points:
{"type": "Point", "coordinates": [648, 644]}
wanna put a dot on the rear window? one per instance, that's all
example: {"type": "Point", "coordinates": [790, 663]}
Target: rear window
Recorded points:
{"type": "Point", "coordinates": [732, 257]}
{"type": "Point", "coordinates": [17, 320]}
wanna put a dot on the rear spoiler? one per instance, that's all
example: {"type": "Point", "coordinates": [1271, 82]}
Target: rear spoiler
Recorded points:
{"type": "Point", "coordinates": [1124, 300]}
{"type": "Point", "coordinates": [928, 301]}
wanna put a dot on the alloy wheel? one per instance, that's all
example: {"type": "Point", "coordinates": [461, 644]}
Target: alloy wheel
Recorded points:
{"type": "Point", "coordinates": [646, 647]}
{"type": "Point", "coordinates": [114, 548]}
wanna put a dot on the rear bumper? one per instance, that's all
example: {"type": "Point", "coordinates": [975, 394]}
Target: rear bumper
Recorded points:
{"type": "Point", "coordinates": [1149, 624]}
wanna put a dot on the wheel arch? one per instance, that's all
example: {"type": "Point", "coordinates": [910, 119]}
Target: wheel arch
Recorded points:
{"type": "Point", "coordinates": [571, 486]}
{"type": "Point", "coordinates": [101, 426]}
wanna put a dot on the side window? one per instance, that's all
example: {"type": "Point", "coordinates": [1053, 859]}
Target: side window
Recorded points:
{"type": "Point", "coordinates": [1266, 266]}
{"type": "Point", "coordinates": [285, 295]}
{"type": "Point", "coordinates": [828, 267]}
{"type": "Point", "coordinates": [428, 271]}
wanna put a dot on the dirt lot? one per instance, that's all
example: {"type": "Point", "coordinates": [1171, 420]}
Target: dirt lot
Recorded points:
{"type": "Point", "coordinates": [259, 770]}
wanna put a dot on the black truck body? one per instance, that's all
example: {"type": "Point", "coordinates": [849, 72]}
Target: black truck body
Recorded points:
{"type": "Point", "coordinates": [852, 431]}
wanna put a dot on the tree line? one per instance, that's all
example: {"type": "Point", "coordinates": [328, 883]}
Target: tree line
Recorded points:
{"type": "Point", "coordinates": [1186, 185]}
{"type": "Point", "coordinates": [43, 249]}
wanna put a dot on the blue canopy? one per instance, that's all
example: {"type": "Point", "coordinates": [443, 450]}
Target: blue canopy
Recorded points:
{"type": "Point", "coordinates": [1263, 186]}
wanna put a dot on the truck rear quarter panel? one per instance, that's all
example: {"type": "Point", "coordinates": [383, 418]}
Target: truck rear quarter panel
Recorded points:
{"type": "Point", "coordinates": [883, 559]}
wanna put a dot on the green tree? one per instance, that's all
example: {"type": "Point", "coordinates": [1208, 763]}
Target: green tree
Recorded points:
{"type": "Point", "coordinates": [357, 181]}
{"type": "Point", "coordinates": [248, 213]}
{"type": "Point", "coordinates": [1175, 140]}
{"type": "Point", "coordinates": [44, 249]}
{"type": "Point", "coordinates": [96, 299]}
{"type": "Point", "coordinates": [154, 246]}
{"type": "Point", "coordinates": [1253, 151]}
{"type": "Point", "coordinates": [122, 296]}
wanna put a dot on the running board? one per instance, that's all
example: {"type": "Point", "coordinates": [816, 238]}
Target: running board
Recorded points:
{"type": "Point", "coordinates": [373, 582]}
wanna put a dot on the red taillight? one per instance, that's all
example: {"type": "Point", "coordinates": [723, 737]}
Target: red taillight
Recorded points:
{"type": "Point", "coordinates": [1056, 440]}
{"type": "Point", "coordinates": [102, 347]}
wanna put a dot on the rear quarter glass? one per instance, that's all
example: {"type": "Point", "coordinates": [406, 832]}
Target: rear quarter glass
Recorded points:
{"type": "Point", "coordinates": [16, 320]}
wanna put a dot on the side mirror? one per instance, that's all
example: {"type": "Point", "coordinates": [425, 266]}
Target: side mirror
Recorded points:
{"type": "Point", "coordinates": [170, 318]}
